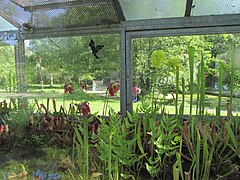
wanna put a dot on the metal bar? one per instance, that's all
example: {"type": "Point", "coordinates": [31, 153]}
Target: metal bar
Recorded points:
{"type": "Point", "coordinates": [119, 10]}
{"type": "Point", "coordinates": [129, 83]}
{"type": "Point", "coordinates": [188, 8]}
{"type": "Point", "coordinates": [54, 33]}
{"type": "Point", "coordinates": [62, 5]}
{"type": "Point", "coordinates": [16, 3]}
{"type": "Point", "coordinates": [16, 52]}
{"type": "Point", "coordinates": [185, 32]}
{"type": "Point", "coordinates": [142, 25]}
{"type": "Point", "coordinates": [20, 63]}
{"type": "Point", "coordinates": [9, 19]}
{"type": "Point", "coordinates": [23, 67]}
{"type": "Point", "coordinates": [183, 22]}
{"type": "Point", "coordinates": [123, 97]}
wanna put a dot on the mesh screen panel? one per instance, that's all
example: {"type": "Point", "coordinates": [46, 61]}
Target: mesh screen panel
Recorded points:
{"type": "Point", "coordinates": [15, 12]}
{"type": "Point", "coordinates": [79, 15]}
{"type": "Point", "coordinates": [61, 13]}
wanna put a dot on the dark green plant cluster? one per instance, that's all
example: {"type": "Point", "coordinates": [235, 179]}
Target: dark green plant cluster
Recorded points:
{"type": "Point", "coordinates": [210, 148]}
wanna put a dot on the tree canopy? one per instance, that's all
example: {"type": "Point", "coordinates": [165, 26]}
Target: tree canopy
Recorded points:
{"type": "Point", "coordinates": [72, 57]}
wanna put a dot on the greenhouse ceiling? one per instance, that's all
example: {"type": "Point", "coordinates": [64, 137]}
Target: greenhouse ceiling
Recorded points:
{"type": "Point", "coordinates": [32, 15]}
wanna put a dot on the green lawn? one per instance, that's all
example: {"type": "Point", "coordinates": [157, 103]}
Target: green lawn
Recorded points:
{"type": "Point", "coordinates": [96, 100]}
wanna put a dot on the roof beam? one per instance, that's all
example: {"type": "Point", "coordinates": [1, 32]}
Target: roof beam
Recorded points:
{"type": "Point", "coordinates": [9, 19]}
{"type": "Point", "coordinates": [15, 2]}
{"type": "Point", "coordinates": [185, 32]}
{"type": "Point", "coordinates": [119, 10]}
{"type": "Point", "coordinates": [62, 5]}
{"type": "Point", "coordinates": [184, 22]}
{"type": "Point", "coordinates": [188, 8]}
{"type": "Point", "coordinates": [221, 24]}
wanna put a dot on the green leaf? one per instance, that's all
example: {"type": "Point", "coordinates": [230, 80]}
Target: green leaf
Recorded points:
{"type": "Point", "coordinates": [127, 176]}
{"type": "Point", "coordinates": [198, 154]}
{"type": "Point", "coordinates": [139, 140]}
{"type": "Point", "coordinates": [174, 63]}
{"type": "Point", "coordinates": [157, 57]}
{"type": "Point", "coordinates": [231, 133]}
{"type": "Point", "coordinates": [191, 52]}
{"type": "Point", "coordinates": [153, 170]}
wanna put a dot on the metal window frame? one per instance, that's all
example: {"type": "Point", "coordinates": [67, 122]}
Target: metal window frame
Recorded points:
{"type": "Point", "coordinates": [130, 30]}
{"type": "Point", "coordinates": [20, 64]}
{"type": "Point", "coordinates": [171, 27]}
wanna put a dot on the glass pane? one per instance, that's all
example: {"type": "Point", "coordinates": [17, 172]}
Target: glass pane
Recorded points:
{"type": "Point", "coordinates": [152, 9]}
{"type": "Point", "coordinates": [72, 71]}
{"type": "Point", "coordinates": [157, 60]}
{"type": "Point", "coordinates": [215, 7]}
{"type": "Point", "coordinates": [15, 12]}
{"type": "Point", "coordinates": [5, 25]}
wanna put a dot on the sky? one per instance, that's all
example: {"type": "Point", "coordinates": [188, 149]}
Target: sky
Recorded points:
{"type": "Point", "coordinates": [5, 25]}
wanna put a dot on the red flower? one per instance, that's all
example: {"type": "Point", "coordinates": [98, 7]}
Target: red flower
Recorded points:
{"type": "Point", "coordinates": [2, 128]}
{"type": "Point", "coordinates": [136, 90]}
{"type": "Point", "coordinates": [84, 108]}
{"type": "Point", "coordinates": [113, 88]}
{"type": "Point", "coordinates": [83, 86]}
{"type": "Point", "coordinates": [68, 89]}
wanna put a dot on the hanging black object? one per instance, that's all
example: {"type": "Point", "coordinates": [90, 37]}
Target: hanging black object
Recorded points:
{"type": "Point", "coordinates": [28, 27]}
{"type": "Point", "coordinates": [94, 48]}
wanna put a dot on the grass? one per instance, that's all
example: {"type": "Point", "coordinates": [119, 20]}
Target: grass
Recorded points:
{"type": "Point", "coordinates": [96, 100]}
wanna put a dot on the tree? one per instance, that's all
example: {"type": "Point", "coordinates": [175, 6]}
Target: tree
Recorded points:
{"type": "Point", "coordinates": [72, 56]}
{"type": "Point", "coordinates": [211, 47]}
{"type": "Point", "coordinates": [7, 68]}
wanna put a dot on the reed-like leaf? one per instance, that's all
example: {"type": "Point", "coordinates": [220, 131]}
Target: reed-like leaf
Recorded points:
{"type": "Point", "coordinates": [198, 92]}
{"type": "Point", "coordinates": [180, 164]}
{"type": "Point", "coordinates": [187, 175]}
{"type": "Point", "coordinates": [205, 150]}
{"type": "Point", "coordinates": [181, 111]}
{"type": "Point", "coordinates": [232, 136]}
{"type": "Point", "coordinates": [85, 137]}
{"type": "Point", "coordinates": [177, 89]}
{"type": "Point", "coordinates": [110, 157]}
{"type": "Point", "coordinates": [54, 106]}
{"type": "Point", "coordinates": [116, 173]}
{"type": "Point", "coordinates": [139, 140]}
{"type": "Point", "coordinates": [221, 68]}
{"type": "Point", "coordinates": [191, 52]}
{"type": "Point", "coordinates": [79, 146]}
{"type": "Point", "coordinates": [202, 93]}
{"type": "Point", "coordinates": [198, 154]}
{"type": "Point", "coordinates": [175, 171]}
{"type": "Point", "coordinates": [233, 64]}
